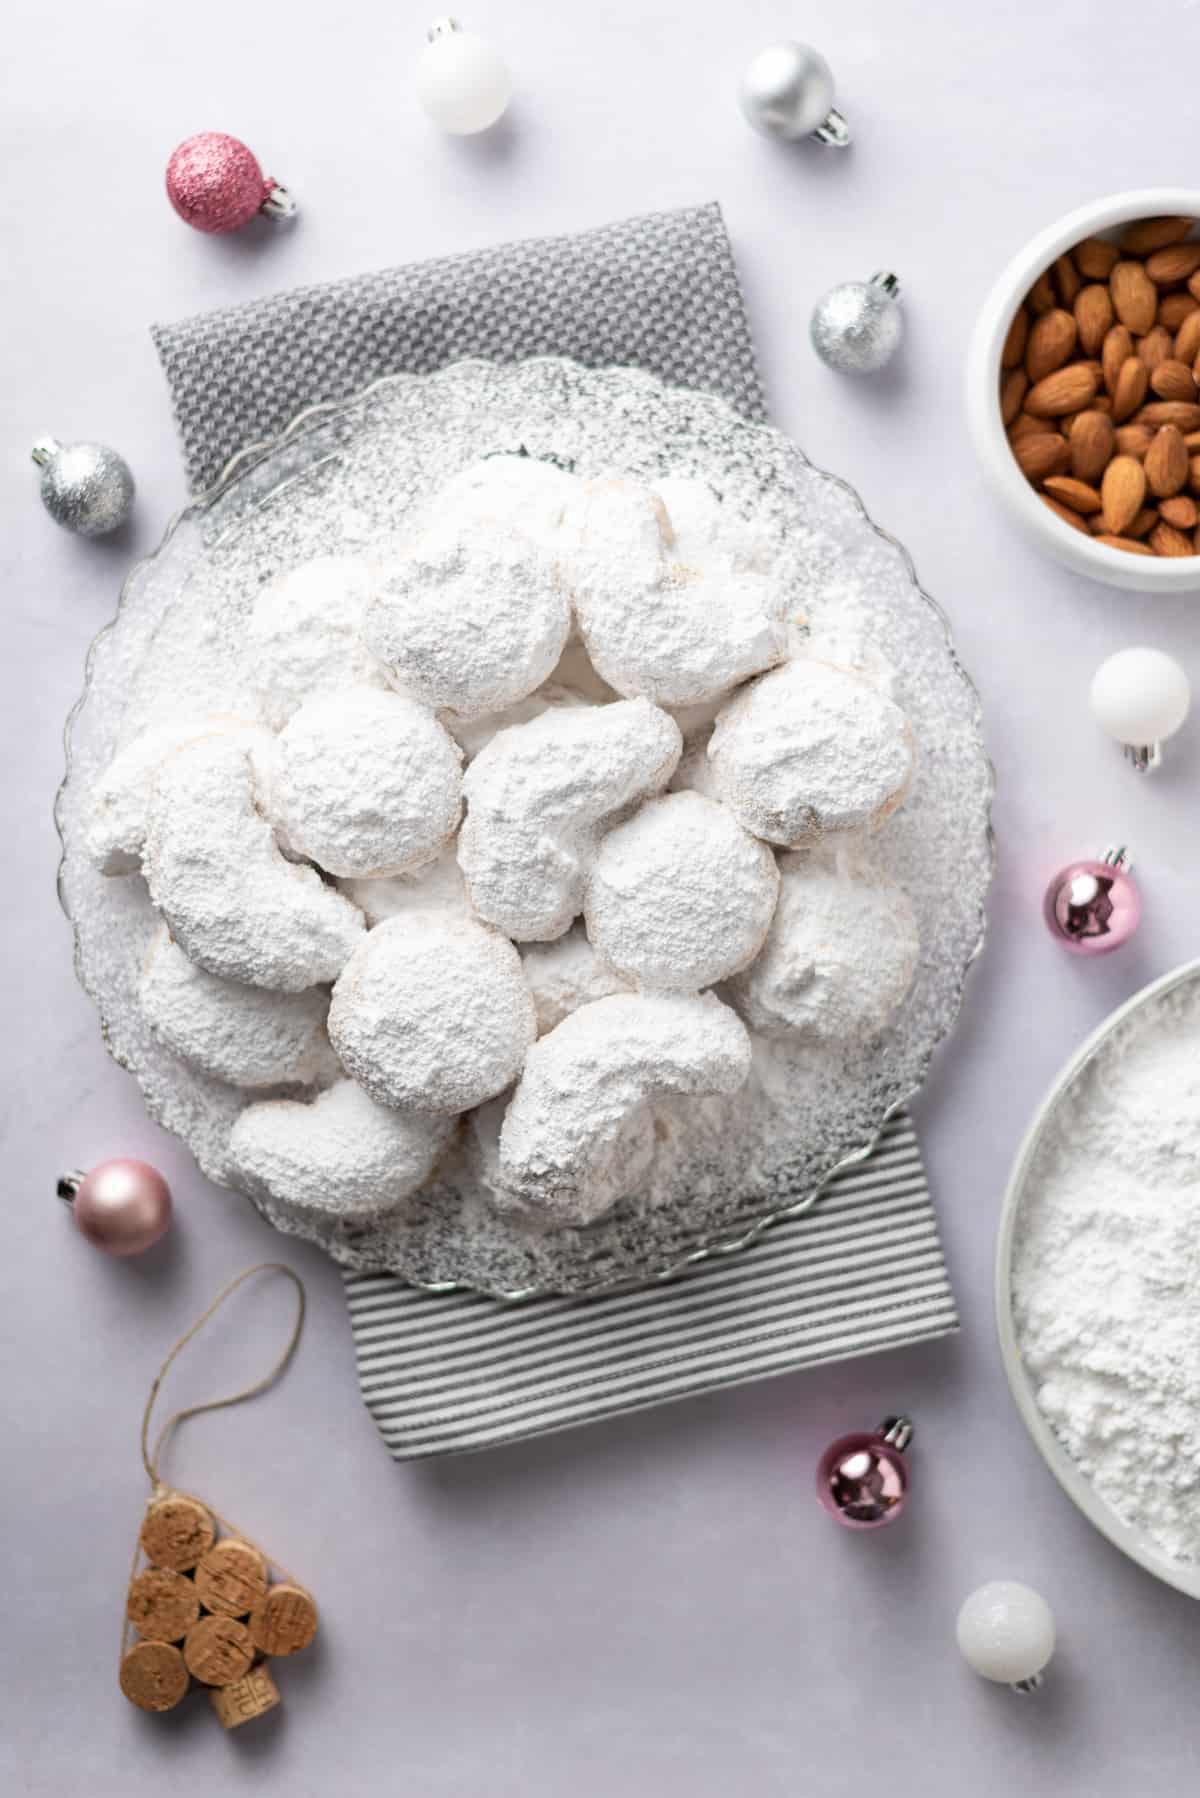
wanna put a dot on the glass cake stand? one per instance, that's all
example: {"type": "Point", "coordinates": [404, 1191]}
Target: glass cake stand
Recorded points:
{"type": "Point", "coordinates": [346, 476]}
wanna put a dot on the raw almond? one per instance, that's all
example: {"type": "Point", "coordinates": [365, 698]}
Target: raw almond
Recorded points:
{"type": "Point", "coordinates": [1041, 295]}
{"type": "Point", "coordinates": [1192, 439]}
{"type": "Point", "coordinates": [1133, 440]}
{"type": "Point", "coordinates": [1165, 540]}
{"type": "Point", "coordinates": [1065, 513]}
{"type": "Point", "coordinates": [1067, 390]}
{"type": "Point", "coordinates": [1091, 445]}
{"type": "Point", "coordinates": [1125, 543]}
{"type": "Point", "coordinates": [1047, 453]}
{"type": "Point", "coordinates": [1194, 474]}
{"type": "Point", "coordinates": [1134, 296]}
{"type": "Point", "coordinates": [1066, 279]}
{"type": "Point", "coordinates": [1187, 339]}
{"type": "Point", "coordinates": [1145, 236]}
{"type": "Point", "coordinates": [1013, 353]}
{"type": "Point", "coordinates": [1173, 264]}
{"type": "Point", "coordinates": [1144, 523]}
{"type": "Point", "coordinates": [1076, 494]}
{"type": "Point", "coordinates": [1181, 511]}
{"type": "Point", "coordinates": [1155, 346]}
{"type": "Point", "coordinates": [1194, 285]}
{"type": "Point", "coordinates": [1173, 380]}
{"type": "Point", "coordinates": [1121, 493]}
{"type": "Point", "coordinates": [1117, 349]}
{"type": "Point", "coordinates": [1158, 412]}
{"type": "Point", "coordinates": [1093, 317]}
{"type": "Point", "coordinates": [1130, 389]}
{"type": "Point", "coordinates": [1166, 463]}
{"type": "Point", "coordinates": [1024, 425]}
{"type": "Point", "coordinates": [1051, 341]}
{"type": "Point", "coordinates": [1173, 308]}
{"type": "Point", "coordinates": [1012, 392]}
{"type": "Point", "coordinates": [1094, 258]}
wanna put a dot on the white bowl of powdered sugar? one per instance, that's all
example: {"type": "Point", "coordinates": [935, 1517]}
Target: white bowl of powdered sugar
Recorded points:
{"type": "Point", "coordinates": [1098, 1278]}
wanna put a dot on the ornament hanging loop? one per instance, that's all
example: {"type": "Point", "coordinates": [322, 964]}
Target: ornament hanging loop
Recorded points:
{"type": "Point", "coordinates": [151, 1459]}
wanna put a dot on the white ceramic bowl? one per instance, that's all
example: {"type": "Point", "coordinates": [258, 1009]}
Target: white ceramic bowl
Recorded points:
{"type": "Point", "coordinates": [1084, 555]}
{"type": "Point", "coordinates": [1185, 1576]}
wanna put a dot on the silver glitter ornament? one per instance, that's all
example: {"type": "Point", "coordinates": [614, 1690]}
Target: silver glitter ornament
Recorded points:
{"type": "Point", "coordinates": [855, 327]}
{"type": "Point", "coordinates": [85, 487]}
{"type": "Point", "coordinates": [787, 92]}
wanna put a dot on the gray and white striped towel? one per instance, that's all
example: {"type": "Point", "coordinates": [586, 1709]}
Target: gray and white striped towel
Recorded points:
{"type": "Point", "coordinates": [863, 1269]}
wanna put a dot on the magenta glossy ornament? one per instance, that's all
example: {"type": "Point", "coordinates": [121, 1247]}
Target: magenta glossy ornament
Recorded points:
{"type": "Point", "coordinates": [862, 1480]}
{"type": "Point", "coordinates": [216, 184]}
{"type": "Point", "coordinates": [1092, 907]}
{"type": "Point", "coordinates": [121, 1206]}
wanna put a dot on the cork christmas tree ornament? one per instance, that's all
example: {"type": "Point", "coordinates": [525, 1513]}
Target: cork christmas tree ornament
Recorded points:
{"type": "Point", "coordinates": [206, 1606]}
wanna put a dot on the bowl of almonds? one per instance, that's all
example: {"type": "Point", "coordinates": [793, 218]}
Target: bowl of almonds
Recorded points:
{"type": "Point", "coordinates": [1083, 389]}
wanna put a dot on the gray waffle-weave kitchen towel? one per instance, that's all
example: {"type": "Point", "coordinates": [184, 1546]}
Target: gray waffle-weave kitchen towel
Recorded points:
{"type": "Point", "coordinates": [863, 1269]}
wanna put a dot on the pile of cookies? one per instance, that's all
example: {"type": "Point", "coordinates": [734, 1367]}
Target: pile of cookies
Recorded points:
{"type": "Point", "coordinates": [204, 1608]}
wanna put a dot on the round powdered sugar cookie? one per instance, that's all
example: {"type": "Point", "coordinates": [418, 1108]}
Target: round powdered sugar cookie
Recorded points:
{"type": "Point", "coordinates": [116, 830]}
{"type": "Point", "coordinates": [341, 1155]}
{"type": "Point", "coordinates": [366, 783]}
{"type": "Point", "coordinates": [677, 617]}
{"type": "Point", "coordinates": [519, 493]}
{"type": "Point", "coordinates": [246, 1035]}
{"type": "Point", "coordinates": [840, 954]}
{"type": "Point", "coordinates": [572, 1115]}
{"type": "Point", "coordinates": [432, 1013]}
{"type": "Point", "coordinates": [811, 748]}
{"type": "Point", "coordinates": [537, 796]}
{"type": "Point", "coordinates": [303, 637]}
{"type": "Point", "coordinates": [470, 621]}
{"type": "Point", "coordinates": [234, 904]}
{"type": "Point", "coordinates": [680, 896]}
{"type": "Point", "coordinates": [565, 974]}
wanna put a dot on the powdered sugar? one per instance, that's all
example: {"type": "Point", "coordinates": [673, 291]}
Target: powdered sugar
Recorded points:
{"type": "Point", "coordinates": [117, 826]}
{"type": "Point", "coordinates": [566, 974]}
{"type": "Point", "coordinates": [303, 636]}
{"type": "Point", "coordinates": [1106, 1271]}
{"type": "Point", "coordinates": [680, 895]}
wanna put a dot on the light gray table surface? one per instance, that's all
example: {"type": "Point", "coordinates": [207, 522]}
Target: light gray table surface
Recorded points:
{"type": "Point", "coordinates": [657, 1605]}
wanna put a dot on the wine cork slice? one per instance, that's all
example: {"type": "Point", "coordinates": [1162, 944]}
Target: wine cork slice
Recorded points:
{"type": "Point", "coordinates": [153, 1676]}
{"type": "Point", "coordinates": [249, 1697]}
{"type": "Point", "coordinates": [176, 1532]}
{"type": "Point", "coordinates": [162, 1606]}
{"type": "Point", "coordinates": [218, 1650]}
{"type": "Point", "coordinates": [232, 1577]}
{"type": "Point", "coordinates": [284, 1621]}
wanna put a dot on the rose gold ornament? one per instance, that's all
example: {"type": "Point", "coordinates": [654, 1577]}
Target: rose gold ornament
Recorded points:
{"type": "Point", "coordinates": [121, 1206]}
{"type": "Point", "coordinates": [216, 184]}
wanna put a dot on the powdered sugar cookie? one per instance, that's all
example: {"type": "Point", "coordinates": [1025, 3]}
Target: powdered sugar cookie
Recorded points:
{"type": "Point", "coordinates": [810, 748]}
{"type": "Point", "coordinates": [623, 1168]}
{"type": "Point", "coordinates": [303, 636]}
{"type": "Point", "coordinates": [519, 493]}
{"type": "Point", "coordinates": [680, 896]}
{"type": "Point", "coordinates": [570, 1127]}
{"type": "Point", "coordinates": [840, 954]}
{"type": "Point", "coordinates": [432, 1013]}
{"type": "Point", "coordinates": [437, 887]}
{"type": "Point", "coordinates": [470, 621]}
{"type": "Point", "coordinates": [121, 797]}
{"type": "Point", "coordinates": [565, 974]}
{"type": "Point", "coordinates": [234, 904]}
{"type": "Point", "coordinates": [677, 618]}
{"type": "Point", "coordinates": [246, 1035]}
{"type": "Point", "coordinates": [366, 783]}
{"type": "Point", "coordinates": [536, 797]}
{"type": "Point", "coordinates": [342, 1155]}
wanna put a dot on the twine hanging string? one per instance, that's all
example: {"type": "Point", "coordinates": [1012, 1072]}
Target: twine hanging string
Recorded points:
{"type": "Point", "coordinates": [151, 1459]}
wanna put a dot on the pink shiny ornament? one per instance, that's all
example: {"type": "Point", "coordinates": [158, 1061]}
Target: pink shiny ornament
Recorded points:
{"type": "Point", "coordinates": [1093, 907]}
{"type": "Point", "coordinates": [215, 183]}
{"type": "Point", "coordinates": [862, 1480]}
{"type": "Point", "coordinates": [121, 1206]}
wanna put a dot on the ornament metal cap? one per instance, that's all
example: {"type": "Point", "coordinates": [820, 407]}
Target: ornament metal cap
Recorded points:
{"type": "Point", "coordinates": [442, 28]}
{"type": "Point", "coordinates": [898, 1431]}
{"type": "Point", "coordinates": [67, 1185]}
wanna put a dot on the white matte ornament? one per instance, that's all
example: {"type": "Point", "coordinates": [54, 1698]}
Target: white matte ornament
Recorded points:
{"type": "Point", "coordinates": [462, 83]}
{"type": "Point", "coordinates": [1140, 696]}
{"type": "Point", "coordinates": [1006, 1633]}
{"type": "Point", "coordinates": [787, 92]}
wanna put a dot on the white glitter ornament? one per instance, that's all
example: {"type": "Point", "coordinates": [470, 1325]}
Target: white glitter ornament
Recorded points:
{"type": "Point", "coordinates": [856, 327]}
{"type": "Point", "coordinates": [1006, 1633]}
{"type": "Point", "coordinates": [462, 83]}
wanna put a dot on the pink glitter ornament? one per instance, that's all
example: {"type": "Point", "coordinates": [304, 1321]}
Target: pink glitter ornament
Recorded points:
{"type": "Point", "coordinates": [1093, 907]}
{"type": "Point", "coordinates": [862, 1480]}
{"type": "Point", "coordinates": [121, 1206]}
{"type": "Point", "coordinates": [215, 183]}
